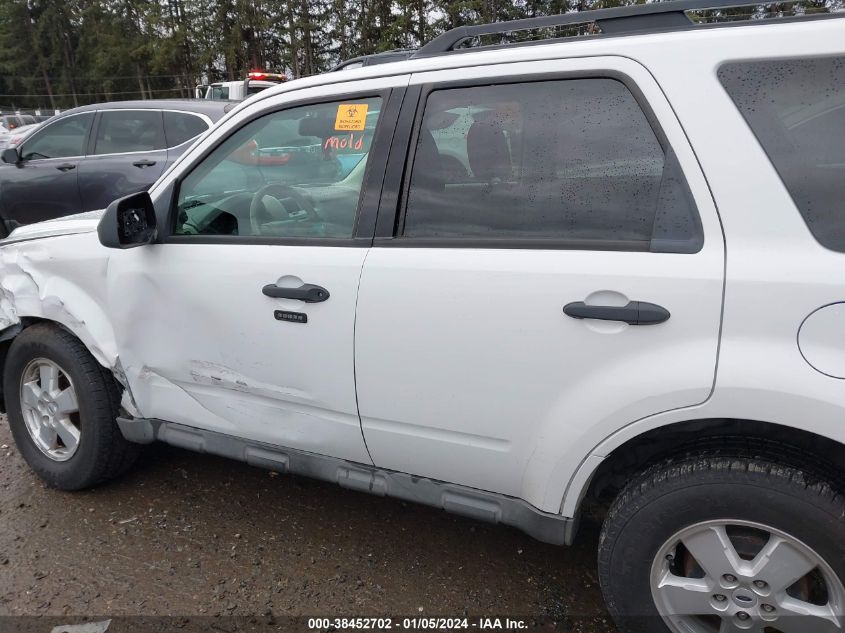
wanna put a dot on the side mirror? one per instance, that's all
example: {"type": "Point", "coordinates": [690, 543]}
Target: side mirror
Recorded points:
{"type": "Point", "coordinates": [128, 222]}
{"type": "Point", "coordinates": [10, 155]}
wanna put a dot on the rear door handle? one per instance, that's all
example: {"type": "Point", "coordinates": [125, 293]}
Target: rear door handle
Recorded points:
{"type": "Point", "coordinates": [635, 313]}
{"type": "Point", "coordinates": [144, 163]}
{"type": "Point", "coordinates": [65, 166]}
{"type": "Point", "coordinates": [308, 293]}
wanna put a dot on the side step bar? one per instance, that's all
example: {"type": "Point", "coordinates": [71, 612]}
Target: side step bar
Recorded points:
{"type": "Point", "coordinates": [470, 502]}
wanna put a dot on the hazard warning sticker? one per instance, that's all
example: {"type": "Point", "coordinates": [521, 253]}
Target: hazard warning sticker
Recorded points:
{"type": "Point", "coordinates": [351, 117]}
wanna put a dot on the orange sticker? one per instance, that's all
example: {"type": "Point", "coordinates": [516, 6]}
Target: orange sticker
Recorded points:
{"type": "Point", "coordinates": [351, 117]}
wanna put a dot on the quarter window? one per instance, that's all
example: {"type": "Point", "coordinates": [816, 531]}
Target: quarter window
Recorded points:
{"type": "Point", "coordinates": [796, 108]}
{"type": "Point", "coordinates": [573, 161]}
{"type": "Point", "coordinates": [122, 131]}
{"type": "Point", "coordinates": [181, 127]}
{"type": "Point", "coordinates": [63, 139]}
{"type": "Point", "coordinates": [297, 173]}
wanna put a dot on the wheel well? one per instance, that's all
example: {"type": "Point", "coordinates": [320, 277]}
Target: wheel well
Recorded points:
{"type": "Point", "coordinates": [764, 439]}
{"type": "Point", "coordinates": [6, 337]}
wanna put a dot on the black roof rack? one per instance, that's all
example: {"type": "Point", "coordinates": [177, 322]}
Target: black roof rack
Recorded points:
{"type": "Point", "coordinates": [385, 57]}
{"type": "Point", "coordinates": [639, 18]}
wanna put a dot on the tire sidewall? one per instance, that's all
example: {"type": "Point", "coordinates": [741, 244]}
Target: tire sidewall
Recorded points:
{"type": "Point", "coordinates": [74, 472]}
{"type": "Point", "coordinates": [628, 550]}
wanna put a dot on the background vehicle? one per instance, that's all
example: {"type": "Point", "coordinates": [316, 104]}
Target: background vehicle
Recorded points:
{"type": "Point", "coordinates": [15, 137]}
{"type": "Point", "coordinates": [584, 271]}
{"type": "Point", "coordinates": [239, 90]}
{"type": "Point", "coordinates": [9, 122]}
{"type": "Point", "coordinates": [86, 157]}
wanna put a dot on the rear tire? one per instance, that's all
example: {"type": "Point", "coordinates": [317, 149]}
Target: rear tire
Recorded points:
{"type": "Point", "coordinates": [668, 539]}
{"type": "Point", "coordinates": [73, 450]}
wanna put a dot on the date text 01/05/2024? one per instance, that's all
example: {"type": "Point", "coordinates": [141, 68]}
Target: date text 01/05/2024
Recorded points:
{"type": "Point", "coordinates": [417, 623]}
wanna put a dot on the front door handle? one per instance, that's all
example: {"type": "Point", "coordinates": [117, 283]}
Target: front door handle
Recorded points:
{"type": "Point", "coordinates": [144, 163]}
{"type": "Point", "coordinates": [309, 293]}
{"type": "Point", "coordinates": [635, 313]}
{"type": "Point", "coordinates": [65, 166]}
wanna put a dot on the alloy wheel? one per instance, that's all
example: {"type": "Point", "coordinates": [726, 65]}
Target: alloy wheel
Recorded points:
{"type": "Point", "coordinates": [739, 576]}
{"type": "Point", "coordinates": [50, 409]}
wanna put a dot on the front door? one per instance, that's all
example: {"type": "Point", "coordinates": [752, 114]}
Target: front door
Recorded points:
{"type": "Point", "coordinates": [242, 321]}
{"type": "Point", "coordinates": [502, 325]}
{"type": "Point", "coordinates": [44, 184]}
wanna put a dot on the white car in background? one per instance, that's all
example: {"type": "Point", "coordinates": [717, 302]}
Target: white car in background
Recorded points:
{"type": "Point", "coordinates": [15, 137]}
{"type": "Point", "coordinates": [5, 134]}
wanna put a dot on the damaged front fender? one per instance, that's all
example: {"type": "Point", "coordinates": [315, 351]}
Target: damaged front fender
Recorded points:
{"type": "Point", "coordinates": [62, 279]}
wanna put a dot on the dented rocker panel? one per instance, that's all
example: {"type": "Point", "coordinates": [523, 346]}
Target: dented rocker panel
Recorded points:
{"type": "Point", "coordinates": [470, 502]}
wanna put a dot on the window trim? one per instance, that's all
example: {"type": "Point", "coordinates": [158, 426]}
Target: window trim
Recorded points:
{"type": "Point", "coordinates": [392, 216]}
{"type": "Point", "coordinates": [363, 227]}
{"type": "Point", "coordinates": [52, 123]}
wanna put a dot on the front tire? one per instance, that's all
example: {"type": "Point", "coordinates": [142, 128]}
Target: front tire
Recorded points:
{"type": "Point", "coordinates": [715, 543]}
{"type": "Point", "coordinates": [62, 407]}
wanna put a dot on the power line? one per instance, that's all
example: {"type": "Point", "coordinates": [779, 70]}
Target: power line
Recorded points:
{"type": "Point", "coordinates": [41, 78]}
{"type": "Point", "coordinates": [94, 94]}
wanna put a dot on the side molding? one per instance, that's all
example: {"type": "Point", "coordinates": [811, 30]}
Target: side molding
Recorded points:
{"type": "Point", "coordinates": [477, 504]}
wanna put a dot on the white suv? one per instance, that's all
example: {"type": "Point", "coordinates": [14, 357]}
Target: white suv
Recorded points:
{"type": "Point", "coordinates": [499, 280]}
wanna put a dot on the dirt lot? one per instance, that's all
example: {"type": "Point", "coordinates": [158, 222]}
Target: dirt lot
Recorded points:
{"type": "Point", "coordinates": [194, 536]}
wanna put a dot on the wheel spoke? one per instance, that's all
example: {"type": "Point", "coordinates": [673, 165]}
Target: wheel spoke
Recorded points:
{"type": "Point", "coordinates": [713, 551]}
{"type": "Point", "coordinates": [30, 394]}
{"type": "Point", "coordinates": [46, 436]}
{"type": "Point", "coordinates": [780, 564]}
{"type": "Point", "coordinates": [797, 616]}
{"type": "Point", "coordinates": [685, 596]}
{"type": "Point", "coordinates": [49, 376]}
{"type": "Point", "coordinates": [66, 401]}
{"type": "Point", "coordinates": [68, 432]}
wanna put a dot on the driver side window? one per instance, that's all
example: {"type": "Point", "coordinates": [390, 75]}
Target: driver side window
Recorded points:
{"type": "Point", "coordinates": [66, 138]}
{"type": "Point", "coordinates": [296, 173]}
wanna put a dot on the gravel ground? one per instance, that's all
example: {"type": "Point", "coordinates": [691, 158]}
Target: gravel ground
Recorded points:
{"type": "Point", "coordinates": [193, 536]}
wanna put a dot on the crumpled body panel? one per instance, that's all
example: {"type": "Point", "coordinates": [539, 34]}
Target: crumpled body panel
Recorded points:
{"type": "Point", "coordinates": [62, 279]}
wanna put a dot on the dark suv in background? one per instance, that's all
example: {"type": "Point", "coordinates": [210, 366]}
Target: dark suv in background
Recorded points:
{"type": "Point", "coordinates": [86, 157]}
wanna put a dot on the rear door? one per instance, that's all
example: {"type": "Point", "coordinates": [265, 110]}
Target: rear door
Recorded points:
{"type": "Point", "coordinates": [535, 194]}
{"type": "Point", "coordinates": [44, 183]}
{"type": "Point", "coordinates": [127, 155]}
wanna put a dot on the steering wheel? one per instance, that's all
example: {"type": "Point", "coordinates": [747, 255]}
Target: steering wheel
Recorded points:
{"type": "Point", "coordinates": [280, 203]}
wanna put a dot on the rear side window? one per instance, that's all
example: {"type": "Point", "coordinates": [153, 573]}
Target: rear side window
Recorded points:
{"type": "Point", "coordinates": [796, 109]}
{"type": "Point", "coordinates": [122, 131]}
{"type": "Point", "coordinates": [181, 127]}
{"type": "Point", "coordinates": [575, 162]}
